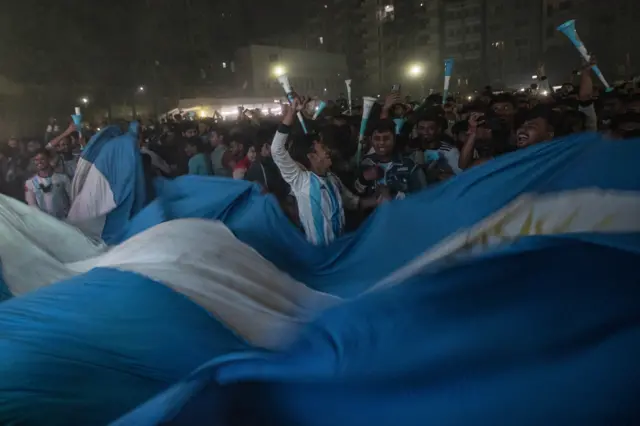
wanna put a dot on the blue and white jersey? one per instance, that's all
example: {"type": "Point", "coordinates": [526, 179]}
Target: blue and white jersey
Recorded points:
{"type": "Point", "coordinates": [321, 199]}
{"type": "Point", "coordinates": [50, 194]}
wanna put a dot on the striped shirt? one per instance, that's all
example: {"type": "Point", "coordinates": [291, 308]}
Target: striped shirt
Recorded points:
{"type": "Point", "coordinates": [51, 194]}
{"type": "Point", "coordinates": [321, 199]}
{"type": "Point", "coordinates": [451, 155]}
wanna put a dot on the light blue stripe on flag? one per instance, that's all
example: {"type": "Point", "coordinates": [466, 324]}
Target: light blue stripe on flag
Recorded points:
{"type": "Point", "coordinates": [336, 217]}
{"type": "Point", "coordinates": [315, 198]}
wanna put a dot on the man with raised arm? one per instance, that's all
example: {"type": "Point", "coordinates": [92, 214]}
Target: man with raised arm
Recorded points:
{"type": "Point", "coordinates": [320, 195]}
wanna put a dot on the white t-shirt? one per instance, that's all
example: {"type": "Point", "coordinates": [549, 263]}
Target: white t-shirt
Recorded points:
{"type": "Point", "coordinates": [52, 194]}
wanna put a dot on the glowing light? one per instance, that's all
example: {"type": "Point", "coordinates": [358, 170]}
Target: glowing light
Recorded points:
{"type": "Point", "coordinates": [84, 100]}
{"type": "Point", "coordinates": [141, 89]}
{"type": "Point", "coordinates": [470, 98]}
{"type": "Point", "coordinates": [202, 114]}
{"type": "Point", "coordinates": [534, 77]}
{"type": "Point", "coordinates": [545, 93]}
{"type": "Point", "coordinates": [279, 70]}
{"type": "Point", "coordinates": [415, 70]}
{"type": "Point", "coordinates": [522, 89]}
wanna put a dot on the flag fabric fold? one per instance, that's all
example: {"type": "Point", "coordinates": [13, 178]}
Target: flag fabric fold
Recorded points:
{"type": "Point", "coordinates": [108, 188]}
{"type": "Point", "coordinates": [503, 296]}
{"type": "Point", "coordinates": [545, 332]}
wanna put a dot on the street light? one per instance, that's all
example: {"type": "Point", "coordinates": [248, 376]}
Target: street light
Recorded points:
{"type": "Point", "coordinates": [279, 70]}
{"type": "Point", "coordinates": [141, 89]}
{"type": "Point", "coordinates": [415, 70]}
{"type": "Point", "coordinates": [84, 100]}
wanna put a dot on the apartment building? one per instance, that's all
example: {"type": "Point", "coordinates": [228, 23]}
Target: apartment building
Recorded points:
{"type": "Point", "coordinates": [513, 41]}
{"type": "Point", "coordinates": [401, 44]}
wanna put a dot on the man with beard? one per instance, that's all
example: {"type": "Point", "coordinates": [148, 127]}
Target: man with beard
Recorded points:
{"type": "Point", "coordinates": [47, 190]}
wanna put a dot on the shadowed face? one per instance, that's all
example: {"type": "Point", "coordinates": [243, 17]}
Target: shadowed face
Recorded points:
{"type": "Point", "coordinates": [383, 143]}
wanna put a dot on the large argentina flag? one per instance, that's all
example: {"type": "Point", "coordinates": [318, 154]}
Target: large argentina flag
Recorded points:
{"type": "Point", "coordinates": [519, 309]}
{"type": "Point", "coordinates": [505, 296]}
{"type": "Point", "coordinates": [128, 323]}
{"type": "Point", "coordinates": [575, 186]}
{"type": "Point", "coordinates": [108, 188]}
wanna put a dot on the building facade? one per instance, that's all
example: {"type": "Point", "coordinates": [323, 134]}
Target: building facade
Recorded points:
{"type": "Point", "coordinates": [311, 72]}
{"type": "Point", "coordinates": [513, 41]}
{"type": "Point", "coordinates": [401, 44]}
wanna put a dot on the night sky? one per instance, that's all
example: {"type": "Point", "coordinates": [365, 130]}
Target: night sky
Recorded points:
{"type": "Point", "coordinates": [120, 42]}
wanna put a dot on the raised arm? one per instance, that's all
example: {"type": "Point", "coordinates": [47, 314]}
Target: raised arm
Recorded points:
{"type": "Point", "coordinates": [55, 141]}
{"type": "Point", "coordinates": [585, 97]}
{"type": "Point", "coordinates": [290, 170]}
{"type": "Point", "coordinates": [30, 195]}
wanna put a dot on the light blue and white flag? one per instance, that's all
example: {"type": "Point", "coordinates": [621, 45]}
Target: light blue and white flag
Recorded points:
{"type": "Point", "coordinates": [518, 277]}
{"type": "Point", "coordinates": [108, 188]}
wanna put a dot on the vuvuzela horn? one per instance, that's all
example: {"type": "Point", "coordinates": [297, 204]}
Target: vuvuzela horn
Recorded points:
{"type": "Point", "coordinates": [569, 30]}
{"type": "Point", "coordinates": [448, 71]}
{"type": "Point", "coordinates": [288, 90]}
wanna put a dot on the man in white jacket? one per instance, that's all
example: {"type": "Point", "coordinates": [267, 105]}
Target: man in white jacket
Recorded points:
{"type": "Point", "coordinates": [320, 195]}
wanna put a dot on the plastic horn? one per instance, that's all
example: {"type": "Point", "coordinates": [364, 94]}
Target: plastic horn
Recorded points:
{"type": "Point", "coordinates": [569, 30]}
{"type": "Point", "coordinates": [448, 70]}
{"type": "Point", "coordinates": [366, 112]}
{"type": "Point", "coordinates": [286, 86]}
{"type": "Point", "coordinates": [399, 122]}
{"type": "Point", "coordinates": [348, 83]}
{"type": "Point", "coordinates": [77, 118]}
{"type": "Point", "coordinates": [319, 109]}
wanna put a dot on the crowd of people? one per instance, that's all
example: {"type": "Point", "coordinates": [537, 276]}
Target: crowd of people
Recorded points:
{"type": "Point", "coordinates": [330, 178]}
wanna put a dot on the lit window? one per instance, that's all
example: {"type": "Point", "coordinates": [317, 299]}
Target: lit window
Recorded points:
{"type": "Point", "coordinates": [386, 13]}
{"type": "Point", "coordinates": [321, 40]}
{"type": "Point", "coordinates": [224, 65]}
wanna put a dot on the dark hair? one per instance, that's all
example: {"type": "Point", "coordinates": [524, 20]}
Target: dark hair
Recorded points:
{"type": "Point", "coordinates": [435, 116]}
{"type": "Point", "coordinates": [265, 134]}
{"type": "Point", "coordinates": [302, 146]}
{"type": "Point", "coordinates": [544, 112]}
{"type": "Point", "coordinates": [239, 138]}
{"type": "Point", "coordinates": [567, 120]}
{"type": "Point", "coordinates": [42, 151]}
{"type": "Point", "coordinates": [503, 98]}
{"type": "Point", "coordinates": [196, 142]}
{"type": "Point", "coordinates": [384, 126]}
{"type": "Point", "coordinates": [460, 126]}
{"type": "Point", "coordinates": [567, 102]}
{"type": "Point", "coordinates": [634, 98]}
{"type": "Point", "coordinates": [627, 117]}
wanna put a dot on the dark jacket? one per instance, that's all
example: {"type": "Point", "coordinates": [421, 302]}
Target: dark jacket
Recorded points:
{"type": "Point", "coordinates": [401, 176]}
{"type": "Point", "coordinates": [266, 173]}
